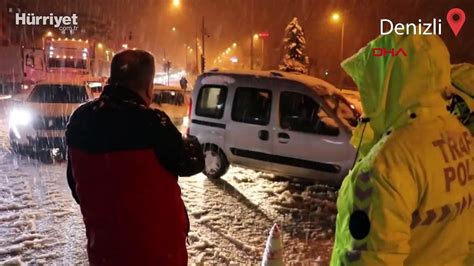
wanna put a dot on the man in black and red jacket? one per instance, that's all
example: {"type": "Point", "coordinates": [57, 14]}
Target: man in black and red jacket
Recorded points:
{"type": "Point", "coordinates": [123, 167]}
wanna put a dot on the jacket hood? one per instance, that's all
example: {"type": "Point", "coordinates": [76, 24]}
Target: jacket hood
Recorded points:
{"type": "Point", "coordinates": [394, 87]}
{"type": "Point", "coordinates": [462, 78]}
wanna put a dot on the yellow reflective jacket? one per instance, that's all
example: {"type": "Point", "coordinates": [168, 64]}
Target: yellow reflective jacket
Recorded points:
{"type": "Point", "coordinates": [410, 198]}
{"type": "Point", "coordinates": [462, 78]}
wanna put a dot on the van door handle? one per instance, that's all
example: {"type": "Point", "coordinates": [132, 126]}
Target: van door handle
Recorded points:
{"type": "Point", "coordinates": [263, 134]}
{"type": "Point", "coordinates": [283, 137]}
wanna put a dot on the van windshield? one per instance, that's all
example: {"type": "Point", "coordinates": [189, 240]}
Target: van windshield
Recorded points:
{"type": "Point", "coordinates": [58, 93]}
{"type": "Point", "coordinates": [169, 97]}
{"type": "Point", "coordinates": [344, 110]}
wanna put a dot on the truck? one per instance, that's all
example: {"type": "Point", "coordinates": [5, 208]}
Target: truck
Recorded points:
{"type": "Point", "coordinates": [19, 68]}
{"type": "Point", "coordinates": [76, 56]}
{"type": "Point", "coordinates": [67, 58]}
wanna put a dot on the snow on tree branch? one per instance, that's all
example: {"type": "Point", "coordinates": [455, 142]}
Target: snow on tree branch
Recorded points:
{"type": "Point", "coordinates": [295, 59]}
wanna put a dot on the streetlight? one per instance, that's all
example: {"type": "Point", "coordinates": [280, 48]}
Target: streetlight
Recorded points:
{"type": "Point", "coordinates": [234, 45]}
{"type": "Point", "coordinates": [99, 45]}
{"type": "Point", "coordinates": [173, 29]}
{"type": "Point", "coordinates": [176, 3]}
{"type": "Point", "coordinates": [336, 17]}
{"type": "Point", "coordinates": [49, 34]}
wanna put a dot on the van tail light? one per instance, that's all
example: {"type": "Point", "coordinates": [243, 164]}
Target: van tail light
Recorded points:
{"type": "Point", "coordinates": [190, 108]}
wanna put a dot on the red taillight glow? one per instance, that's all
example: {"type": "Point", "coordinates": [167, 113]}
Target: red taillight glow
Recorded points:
{"type": "Point", "coordinates": [190, 108]}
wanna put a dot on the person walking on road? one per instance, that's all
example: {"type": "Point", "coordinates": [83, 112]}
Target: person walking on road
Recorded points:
{"type": "Point", "coordinates": [123, 167]}
{"type": "Point", "coordinates": [183, 82]}
{"type": "Point", "coordinates": [409, 199]}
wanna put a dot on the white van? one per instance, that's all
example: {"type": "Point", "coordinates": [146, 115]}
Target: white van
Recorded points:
{"type": "Point", "coordinates": [288, 124]}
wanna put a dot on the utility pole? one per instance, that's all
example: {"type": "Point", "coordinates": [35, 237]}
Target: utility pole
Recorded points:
{"type": "Point", "coordinates": [203, 55]}
{"type": "Point", "coordinates": [197, 57]}
{"type": "Point", "coordinates": [186, 57]}
{"type": "Point", "coordinates": [252, 7]}
{"type": "Point", "coordinates": [251, 51]}
{"type": "Point", "coordinates": [166, 66]}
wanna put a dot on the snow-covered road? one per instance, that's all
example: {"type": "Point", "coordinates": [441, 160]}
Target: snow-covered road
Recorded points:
{"type": "Point", "coordinates": [230, 218]}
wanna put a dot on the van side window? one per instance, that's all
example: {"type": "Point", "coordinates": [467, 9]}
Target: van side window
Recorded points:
{"type": "Point", "coordinates": [211, 102]}
{"type": "Point", "coordinates": [301, 113]}
{"type": "Point", "coordinates": [252, 106]}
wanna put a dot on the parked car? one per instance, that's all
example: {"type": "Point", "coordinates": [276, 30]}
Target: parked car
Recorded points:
{"type": "Point", "coordinates": [287, 124]}
{"type": "Point", "coordinates": [96, 88]}
{"type": "Point", "coordinates": [173, 101]}
{"type": "Point", "coordinates": [37, 122]}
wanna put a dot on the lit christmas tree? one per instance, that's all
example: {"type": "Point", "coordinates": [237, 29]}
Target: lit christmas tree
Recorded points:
{"type": "Point", "coordinates": [295, 59]}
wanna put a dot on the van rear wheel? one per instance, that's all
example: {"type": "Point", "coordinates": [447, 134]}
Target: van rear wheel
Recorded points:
{"type": "Point", "coordinates": [216, 162]}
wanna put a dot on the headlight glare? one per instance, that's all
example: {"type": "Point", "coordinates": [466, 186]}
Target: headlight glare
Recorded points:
{"type": "Point", "coordinates": [20, 117]}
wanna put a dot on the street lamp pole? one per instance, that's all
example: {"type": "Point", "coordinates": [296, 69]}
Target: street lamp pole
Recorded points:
{"type": "Point", "coordinates": [197, 54]}
{"type": "Point", "coordinates": [251, 51]}
{"type": "Point", "coordinates": [342, 41]}
{"type": "Point", "coordinates": [186, 57]}
{"type": "Point", "coordinates": [203, 55]}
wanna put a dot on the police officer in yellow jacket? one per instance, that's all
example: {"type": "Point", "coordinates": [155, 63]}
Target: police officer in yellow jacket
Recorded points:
{"type": "Point", "coordinates": [409, 200]}
{"type": "Point", "coordinates": [462, 91]}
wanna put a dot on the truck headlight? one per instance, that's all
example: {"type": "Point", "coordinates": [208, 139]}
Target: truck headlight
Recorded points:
{"type": "Point", "coordinates": [20, 117]}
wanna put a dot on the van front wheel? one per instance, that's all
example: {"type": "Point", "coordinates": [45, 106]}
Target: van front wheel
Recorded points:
{"type": "Point", "coordinates": [216, 162]}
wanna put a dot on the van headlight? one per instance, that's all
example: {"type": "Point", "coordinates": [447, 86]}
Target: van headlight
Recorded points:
{"type": "Point", "coordinates": [20, 117]}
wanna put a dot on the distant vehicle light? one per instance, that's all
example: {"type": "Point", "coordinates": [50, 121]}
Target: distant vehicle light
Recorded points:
{"type": "Point", "coordinates": [85, 50]}
{"type": "Point", "coordinates": [51, 48]}
{"type": "Point", "coordinates": [234, 59]}
{"type": "Point", "coordinates": [20, 117]}
{"type": "Point", "coordinates": [186, 121]}
{"type": "Point", "coordinates": [95, 84]}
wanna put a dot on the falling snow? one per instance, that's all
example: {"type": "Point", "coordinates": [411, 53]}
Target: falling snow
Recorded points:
{"type": "Point", "coordinates": [230, 218]}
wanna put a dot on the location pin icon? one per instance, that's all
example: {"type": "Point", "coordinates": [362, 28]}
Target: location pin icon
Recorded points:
{"type": "Point", "coordinates": [456, 19]}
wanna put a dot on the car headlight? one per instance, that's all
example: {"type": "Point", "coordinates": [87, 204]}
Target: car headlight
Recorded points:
{"type": "Point", "coordinates": [20, 117]}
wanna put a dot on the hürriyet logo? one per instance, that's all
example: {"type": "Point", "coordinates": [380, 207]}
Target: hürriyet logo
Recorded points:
{"type": "Point", "coordinates": [65, 24]}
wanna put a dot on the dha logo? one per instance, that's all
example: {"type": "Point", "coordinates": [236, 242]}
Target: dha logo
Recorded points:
{"type": "Point", "coordinates": [63, 23]}
{"type": "Point", "coordinates": [386, 52]}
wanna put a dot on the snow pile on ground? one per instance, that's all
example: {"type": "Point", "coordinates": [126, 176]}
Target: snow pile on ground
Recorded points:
{"type": "Point", "coordinates": [230, 218]}
{"type": "Point", "coordinates": [36, 214]}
